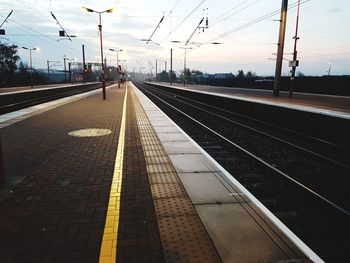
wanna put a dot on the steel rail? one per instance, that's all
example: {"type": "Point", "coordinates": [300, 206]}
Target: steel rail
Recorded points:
{"type": "Point", "coordinates": [261, 132]}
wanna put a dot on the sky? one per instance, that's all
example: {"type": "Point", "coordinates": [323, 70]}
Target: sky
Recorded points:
{"type": "Point", "coordinates": [245, 43]}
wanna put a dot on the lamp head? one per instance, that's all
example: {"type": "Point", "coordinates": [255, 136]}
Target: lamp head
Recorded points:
{"type": "Point", "coordinates": [86, 10]}
{"type": "Point", "coordinates": [111, 10]}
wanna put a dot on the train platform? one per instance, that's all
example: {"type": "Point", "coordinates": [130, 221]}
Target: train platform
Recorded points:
{"type": "Point", "coordinates": [116, 180]}
{"type": "Point", "coordinates": [336, 106]}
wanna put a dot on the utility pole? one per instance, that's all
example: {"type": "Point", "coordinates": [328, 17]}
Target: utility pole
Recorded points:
{"type": "Point", "coordinates": [295, 62]}
{"type": "Point", "coordinates": [171, 66]}
{"type": "Point", "coordinates": [48, 67]}
{"type": "Point", "coordinates": [185, 68]}
{"type": "Point", "coordinates": [84, 65]}
{"type": "Point", "coordinates": [165, 65]}
{"type": "Point", "coordinates": [279, 60]}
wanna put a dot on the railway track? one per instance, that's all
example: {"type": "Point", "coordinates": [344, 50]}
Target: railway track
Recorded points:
{"type": "Point", "coordinates": [305, 188]}
{"type": "Point", "coordinates": [9, 105]}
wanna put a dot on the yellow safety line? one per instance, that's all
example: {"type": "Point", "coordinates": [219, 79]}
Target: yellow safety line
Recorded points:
{"type": "Point", "coordinates": [108, 252]}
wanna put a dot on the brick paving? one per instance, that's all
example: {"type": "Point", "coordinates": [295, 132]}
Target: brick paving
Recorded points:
{"type": "Point", "coordinates": [57, 213]}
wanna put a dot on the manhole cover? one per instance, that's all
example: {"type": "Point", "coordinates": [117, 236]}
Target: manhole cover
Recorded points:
{"type": "Point", "coordinates": [90, 132]}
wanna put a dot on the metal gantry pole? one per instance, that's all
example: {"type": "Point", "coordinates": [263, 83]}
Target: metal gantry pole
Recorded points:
{"type": "Point", "coordinates": [102, 64]}
{"type": "Point", "coordinates": [185, 67]}
{"type": "Point", "coordinates": [171, 66]}
{"type": "Point", "coordinates": [279, 60]}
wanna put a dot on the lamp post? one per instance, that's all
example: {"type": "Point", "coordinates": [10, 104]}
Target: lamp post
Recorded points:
{"type": "Point", "coordinates": [30, 63]}
{"type": "Point", "coordinates": [85, 9]}
{"type": "Point", "coordinates": [117, 51]}
{"type": "Point", "coordinates": [185, 48]}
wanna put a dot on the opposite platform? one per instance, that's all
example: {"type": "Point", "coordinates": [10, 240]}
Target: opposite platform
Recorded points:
{"type": "Point", "coordinates": [335, 106]}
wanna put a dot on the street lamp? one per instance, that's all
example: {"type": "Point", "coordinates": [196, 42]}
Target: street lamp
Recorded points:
{"type": "Point", "coordinates": [118, 50]}
{"type": "Point", "coordinates": [30, 63]}
{"type": "Point", "coordinates": [85, 9]}
{"type": "Point", "coordinates": [185, 48]}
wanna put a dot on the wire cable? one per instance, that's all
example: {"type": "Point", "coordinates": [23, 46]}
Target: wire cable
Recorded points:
{"type": "Point", "coordinates": [255, 21]}
{"type": "Point", "coordinates": [183, 21]}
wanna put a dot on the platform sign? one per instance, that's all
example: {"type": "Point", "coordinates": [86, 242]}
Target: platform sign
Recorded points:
{"type": "Point", "coordinates": [2, 32]}
{"type": "Point", "coordinates": [294, 63]}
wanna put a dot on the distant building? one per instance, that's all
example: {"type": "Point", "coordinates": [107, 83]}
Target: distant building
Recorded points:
{"type": "Point", "coordinates": [223, 76]}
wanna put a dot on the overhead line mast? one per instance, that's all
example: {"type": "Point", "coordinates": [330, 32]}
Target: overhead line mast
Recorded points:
{"type": "Point", "coordinates": [6, 18]}
{"type": "Point", "coordinates": [62, 33]}
{"type": "Point", "coordinates": [154, 31]}
{"type": "Point", "coordinates": [279, 60]}
{"type": "Point", "coordinates": [199, 27]}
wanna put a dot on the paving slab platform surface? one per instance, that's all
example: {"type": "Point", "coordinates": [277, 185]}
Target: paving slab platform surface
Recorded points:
{"type": "Point", "coordinates": [89, 180]}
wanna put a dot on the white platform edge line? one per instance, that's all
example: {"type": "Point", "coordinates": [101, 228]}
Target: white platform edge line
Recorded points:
{"type": "Point", "coordinates": [310, 109]}
{"type": "Point", "coordinates": [296, 240]}
{"type": "Point", "coordinates": [22, 113]}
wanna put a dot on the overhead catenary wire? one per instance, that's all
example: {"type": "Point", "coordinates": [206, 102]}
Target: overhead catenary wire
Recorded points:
{"type": "Point", "coordinates": [222, 18]}
{"type": "Point", "coordinates": [202, 2]}
{"type": "Point", "coordinates": [42, 35]}
{"type": "Point", "coordinates": [255, 21]}
{"type": "Point", "coordinates": [42, 15]}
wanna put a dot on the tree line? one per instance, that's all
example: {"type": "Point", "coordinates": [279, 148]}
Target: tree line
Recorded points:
{"type": "Point", "coordinates": [199, 77]}
{"type": "Point", "coordinates": [13, 72]}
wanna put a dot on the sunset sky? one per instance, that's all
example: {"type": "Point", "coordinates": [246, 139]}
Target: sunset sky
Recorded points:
{"type": "Point", "coordinates": [324, 33]}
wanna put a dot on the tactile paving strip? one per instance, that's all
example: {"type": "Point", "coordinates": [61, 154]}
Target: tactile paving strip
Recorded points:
{"type": "Point", "coordinates": [183, 236]}
{"type": "Point", "coordinates": [166, 207]}
{"type": "Point", "coordinates": [163, 178]}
